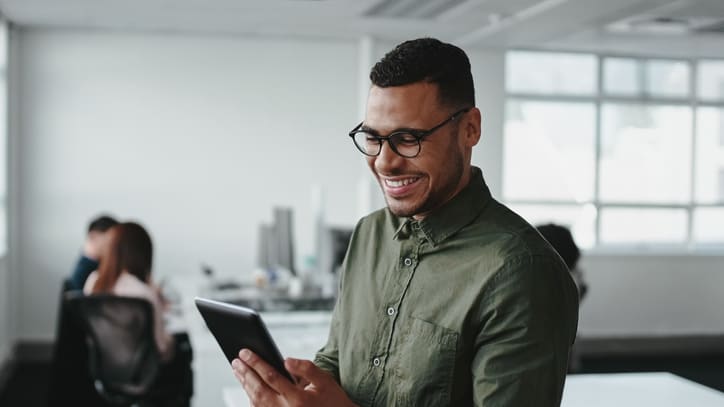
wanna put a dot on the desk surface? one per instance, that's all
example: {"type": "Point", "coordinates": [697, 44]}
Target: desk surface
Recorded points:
{"type": "Point", "coordinates": [603, 390]}
{"type": "Point", "coordinates": [637, 389]}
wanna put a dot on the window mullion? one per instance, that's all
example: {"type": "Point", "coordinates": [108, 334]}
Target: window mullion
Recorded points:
{"type": "Point", "coordinates": [597, 154]}
{"type": "Point", "coordinates": [693, 77]}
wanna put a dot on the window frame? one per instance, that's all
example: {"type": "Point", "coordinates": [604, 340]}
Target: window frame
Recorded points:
{"type": "Point", "coordinates": [598, 99]}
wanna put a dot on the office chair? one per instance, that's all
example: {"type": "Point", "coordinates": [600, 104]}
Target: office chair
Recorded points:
{"type": "Point", "coordinates": [70, 383]}
{"type": "Point", "coordinates": [124, 361]}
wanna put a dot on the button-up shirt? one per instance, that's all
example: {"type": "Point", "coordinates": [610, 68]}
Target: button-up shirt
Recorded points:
{"type": "Point", "coordinates": [470, 306]}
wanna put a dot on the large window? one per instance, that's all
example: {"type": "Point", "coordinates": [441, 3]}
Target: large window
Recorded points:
{"type": "Point", "coordinates": [627, 152]}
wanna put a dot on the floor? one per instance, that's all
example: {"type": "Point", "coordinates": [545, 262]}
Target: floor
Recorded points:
{"type": "Point", "coordinates": [27, 386]}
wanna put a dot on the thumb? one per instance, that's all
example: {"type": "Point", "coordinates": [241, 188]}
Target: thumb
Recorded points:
{"type": "Point", "coordinates": [306, 370]}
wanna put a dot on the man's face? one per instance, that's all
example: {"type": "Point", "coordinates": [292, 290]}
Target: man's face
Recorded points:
{"type": "Point", "coordinates": [97, 243]}
{"type": "Point", "coordinates": [416, 186]}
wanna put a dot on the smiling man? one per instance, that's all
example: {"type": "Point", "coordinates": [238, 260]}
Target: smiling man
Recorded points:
{"type": "Point", "coordinates": [447, 297]}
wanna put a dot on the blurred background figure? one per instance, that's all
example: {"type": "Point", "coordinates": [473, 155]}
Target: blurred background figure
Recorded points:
{"type": "Point", "coordinates": [95, 242]}
{"type": "Point", "coordinates": [125, 270]}
{"type": "Point", "coordinates": [562, 241]}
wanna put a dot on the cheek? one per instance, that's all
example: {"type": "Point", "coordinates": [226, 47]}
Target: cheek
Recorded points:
{"type": "Point", "coordinates": [371, 163]}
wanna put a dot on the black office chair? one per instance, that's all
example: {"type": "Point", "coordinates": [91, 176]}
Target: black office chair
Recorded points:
{"type": "Point", "coordinates": [70, 382]}
{"type": "Point", "coordinates": [124, 361]}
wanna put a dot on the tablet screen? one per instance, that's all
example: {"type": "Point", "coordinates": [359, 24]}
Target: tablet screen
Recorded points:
{"type": "Point", "coordinates": [236, 327]}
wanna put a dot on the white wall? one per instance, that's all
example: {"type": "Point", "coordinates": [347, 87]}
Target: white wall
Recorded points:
{"type": "Point", "coordinates": [8, 270]}
{"type": "Point", "coordinates": [646, 294]}
{"type": "Point", "coordinates": [198, 137]}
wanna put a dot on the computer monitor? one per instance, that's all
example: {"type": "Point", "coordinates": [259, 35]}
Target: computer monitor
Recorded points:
{"type": "Point", "coordinates": [284, 235]}
{"type": "Point", "coordinates": [276, 242]}
{"type": "Point", "coordinates": [335, 241]}
{"type": "Point", "coordinates": [266, 248]}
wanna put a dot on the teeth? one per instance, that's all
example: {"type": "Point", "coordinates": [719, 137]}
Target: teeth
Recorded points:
{"type": "Point", "coordinates": [400, 182]}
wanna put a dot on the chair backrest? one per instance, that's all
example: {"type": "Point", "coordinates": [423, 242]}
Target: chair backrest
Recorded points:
{"type": "Point", "coordinates": [123, 358]}
{"type": "Point", "coordinates": [70, 382]}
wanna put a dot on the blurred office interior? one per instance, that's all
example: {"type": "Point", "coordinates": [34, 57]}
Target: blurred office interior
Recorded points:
{"type": "Point", "coordinates": [222, 126]}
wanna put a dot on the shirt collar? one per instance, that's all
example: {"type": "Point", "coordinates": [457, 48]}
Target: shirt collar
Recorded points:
{"type": "Point", "coordinates": [457, 213]}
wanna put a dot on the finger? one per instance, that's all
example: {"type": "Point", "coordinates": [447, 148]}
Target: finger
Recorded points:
{"type": "Point", "coordinates": [306, 370]}
{"type": "Point", "coordinates": [237, 373]}
{"type": "Point", "coordinates": [268, 374]}
{"type": "Point", "coordinates": [259, 393]}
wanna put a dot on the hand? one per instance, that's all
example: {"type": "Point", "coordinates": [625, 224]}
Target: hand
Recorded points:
{"type": "Point", "coordinates": [266, 387]}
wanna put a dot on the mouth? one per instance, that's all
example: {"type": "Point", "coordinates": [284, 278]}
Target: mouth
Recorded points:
{"type": "Point", "coordinates": [399, 186]}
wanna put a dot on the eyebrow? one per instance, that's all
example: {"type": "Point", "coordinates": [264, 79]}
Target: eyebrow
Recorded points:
{"type": "Point", "coordinates": [397, 130]}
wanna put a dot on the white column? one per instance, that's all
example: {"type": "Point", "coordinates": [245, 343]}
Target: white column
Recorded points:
{"type": "Point", "coordinates": [369, 197]}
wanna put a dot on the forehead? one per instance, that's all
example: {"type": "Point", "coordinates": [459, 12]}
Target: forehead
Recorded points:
{"type": "Point", "coordinates": [414, 105]}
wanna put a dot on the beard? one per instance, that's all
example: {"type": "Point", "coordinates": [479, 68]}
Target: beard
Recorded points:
{"type": "Point", "coordinates": [447, 182]}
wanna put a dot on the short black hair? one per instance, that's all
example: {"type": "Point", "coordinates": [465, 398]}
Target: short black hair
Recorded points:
{"type": "Point", "coordinates": [561, 239]}
{"type": "Point", "coordinates": [429, 60]}
{"type": "Point", "coordinates": [101, 224]}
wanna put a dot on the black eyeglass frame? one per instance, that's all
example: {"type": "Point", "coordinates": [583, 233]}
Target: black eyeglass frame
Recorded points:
{"type": "Point", "coordinates": [416, 133]}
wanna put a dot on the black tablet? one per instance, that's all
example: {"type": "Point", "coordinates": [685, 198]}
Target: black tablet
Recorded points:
{"type": "Point", "coordinates": [236, 327]}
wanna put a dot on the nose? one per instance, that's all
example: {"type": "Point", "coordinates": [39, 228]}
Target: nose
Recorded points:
{"type": "Point", "coordinates": [388, 160]}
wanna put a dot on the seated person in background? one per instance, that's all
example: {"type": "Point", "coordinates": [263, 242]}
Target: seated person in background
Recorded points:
{"type": "Point", "coordinates": [561, 239]}
{"type": "Point", "coordinates": [125, 270]}
{"type": "Point", "coordinates": [96, 239]}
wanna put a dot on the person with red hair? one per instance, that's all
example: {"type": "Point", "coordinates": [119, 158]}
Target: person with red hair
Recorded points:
{"type": "Point", "coordinates": [125, 270]}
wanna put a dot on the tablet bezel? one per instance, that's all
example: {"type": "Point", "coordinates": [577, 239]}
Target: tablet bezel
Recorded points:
{"type": "Point", "coordinates": [236, 327]}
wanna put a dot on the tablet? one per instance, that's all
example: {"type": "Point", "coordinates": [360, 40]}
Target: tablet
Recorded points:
{"type": "Point", "coordinates": [236, 327]}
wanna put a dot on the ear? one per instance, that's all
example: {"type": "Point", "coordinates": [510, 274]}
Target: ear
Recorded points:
{"type": "Point", "coordinates": [471, 127]}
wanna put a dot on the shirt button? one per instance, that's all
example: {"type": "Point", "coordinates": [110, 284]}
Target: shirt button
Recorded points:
{"type": "Point", "coordinates": [408, 262]}
{"type": "Point", "coordinates": [376, 361]}
{"type": "Point", "coordinates": [390, 311]}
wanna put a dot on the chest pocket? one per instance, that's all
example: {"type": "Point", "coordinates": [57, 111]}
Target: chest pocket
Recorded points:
{"type": "Point", "coordinates": [425, 366]}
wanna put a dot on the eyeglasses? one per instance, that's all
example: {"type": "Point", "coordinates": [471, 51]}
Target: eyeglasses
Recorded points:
{"type": "Point", "coordinates": [404, 142]}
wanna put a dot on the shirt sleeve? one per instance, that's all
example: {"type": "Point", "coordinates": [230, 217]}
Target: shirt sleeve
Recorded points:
{"type": "Point", "coordinates": [528, 321]}
{"type": "Point", "coordinates": [327, 358]}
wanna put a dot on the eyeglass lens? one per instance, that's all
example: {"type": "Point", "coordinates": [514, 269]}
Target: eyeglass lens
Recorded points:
{"type": "Point", "coordinates": [404, 144]}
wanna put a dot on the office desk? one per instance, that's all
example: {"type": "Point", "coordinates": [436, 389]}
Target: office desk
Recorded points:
{"type": "Point", "coordinates": [637, 389]}
{"type": "Point", "coordinates": [603, 390]}
{"type": "Point", "coordinates": [298, 334]}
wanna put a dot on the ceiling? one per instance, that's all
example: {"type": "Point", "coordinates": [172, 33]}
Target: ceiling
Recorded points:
{"type": "Point", "coordinates": [652, 27]}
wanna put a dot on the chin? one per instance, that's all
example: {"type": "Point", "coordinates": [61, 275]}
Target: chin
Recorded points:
{"type": "Point", "coordinates": [402, 209]}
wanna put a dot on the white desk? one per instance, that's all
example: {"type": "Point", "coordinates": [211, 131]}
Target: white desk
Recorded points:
{"type": "Point", "coordinates": [637, 389]}
{"type": "Point", "coordinates": [298, 334]}
{"type": "Point", "coordinates": [603, 390]}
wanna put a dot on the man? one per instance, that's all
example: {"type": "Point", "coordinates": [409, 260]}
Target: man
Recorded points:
{"type": "Point", "coordinates": [95, 242]}
{"type": "Point", "coordinates": [447, 298]}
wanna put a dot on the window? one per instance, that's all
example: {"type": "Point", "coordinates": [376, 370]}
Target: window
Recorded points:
{"type": "Point", "coordinates": [625, 151]}
{"type": "Point", "coordinates": [546, 141]}
{"type": "Point", "coordinates": [711, 80]}
{"type": "Point", "coordinates": [645, 153]}
{"type": "Point", "coordinates": [552, 73]}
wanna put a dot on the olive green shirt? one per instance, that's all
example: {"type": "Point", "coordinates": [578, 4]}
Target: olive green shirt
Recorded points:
{"type": "Point", "coordinates": [470, 306]}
